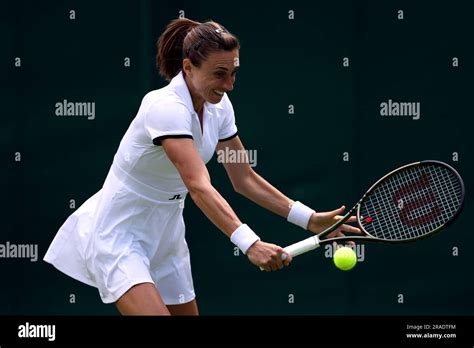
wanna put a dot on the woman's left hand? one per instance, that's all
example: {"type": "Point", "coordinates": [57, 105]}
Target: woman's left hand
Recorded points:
{"type": "Point", "coordinates": [321, 221]}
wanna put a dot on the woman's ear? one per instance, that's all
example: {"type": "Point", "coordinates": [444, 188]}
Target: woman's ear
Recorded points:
{"type": "Point", "coordinates": [187, 67]}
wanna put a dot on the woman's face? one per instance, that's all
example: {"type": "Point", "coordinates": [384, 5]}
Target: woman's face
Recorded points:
{"type": "Point", "coordinates": [215, 76]}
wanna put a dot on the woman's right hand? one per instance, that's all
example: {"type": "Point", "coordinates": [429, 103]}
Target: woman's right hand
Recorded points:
{"type": "Point", "coordinates": [268, 256]}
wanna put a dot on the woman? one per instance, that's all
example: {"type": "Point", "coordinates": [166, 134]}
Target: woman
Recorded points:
{"type": "Point", "coordinates": [128, 239]}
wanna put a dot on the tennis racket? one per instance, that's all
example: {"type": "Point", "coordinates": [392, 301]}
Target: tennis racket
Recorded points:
{"type": "Point", "coordinates": [408, 204]}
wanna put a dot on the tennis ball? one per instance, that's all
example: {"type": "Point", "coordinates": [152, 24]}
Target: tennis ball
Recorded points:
{"type": "Point", "coordinates": [345, 258]}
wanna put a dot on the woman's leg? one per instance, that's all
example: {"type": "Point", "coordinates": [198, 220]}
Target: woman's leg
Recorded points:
{"type": "Point", "coordinates": [142, 299]}
{"type": "Point", "coordinates": [189, 308]}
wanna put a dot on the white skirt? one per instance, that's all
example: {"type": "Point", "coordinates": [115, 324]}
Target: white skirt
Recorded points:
{"type": "Point", "coordinates": [126, 234]}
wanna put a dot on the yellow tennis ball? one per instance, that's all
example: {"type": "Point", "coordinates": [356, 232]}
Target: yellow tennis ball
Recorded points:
{"type": "Point", "coordinates": [345, 258]}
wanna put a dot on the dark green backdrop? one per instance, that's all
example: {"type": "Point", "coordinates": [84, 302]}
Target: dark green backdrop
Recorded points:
{"type": "Point", "coordinates": [284, 62]}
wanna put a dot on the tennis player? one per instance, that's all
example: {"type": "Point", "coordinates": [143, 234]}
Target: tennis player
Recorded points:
{"type": "Point", "coordinates": [128, 239]}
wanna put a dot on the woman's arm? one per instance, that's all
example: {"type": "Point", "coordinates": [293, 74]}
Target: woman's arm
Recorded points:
{"type": "Point", "coordinates": [251, 185]}
{"type": "Point", "coordinates": [183, 154]}
{"type": "Point", "coordinates": [195, 176]}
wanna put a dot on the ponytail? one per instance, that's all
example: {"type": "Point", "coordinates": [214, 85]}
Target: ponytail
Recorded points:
{"type": "Point", "coordinates": [170, 47]}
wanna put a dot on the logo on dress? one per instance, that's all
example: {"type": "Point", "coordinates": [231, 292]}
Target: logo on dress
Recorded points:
{"type": "Point", "coordinates": [175, 197]}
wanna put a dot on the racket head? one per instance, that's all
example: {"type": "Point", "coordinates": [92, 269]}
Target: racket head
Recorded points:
{"type": "Point", "coordinates": [411, 202]}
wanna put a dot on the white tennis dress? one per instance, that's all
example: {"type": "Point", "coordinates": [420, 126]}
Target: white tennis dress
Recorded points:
{"type": "Point", "coordinates": [132, 230]}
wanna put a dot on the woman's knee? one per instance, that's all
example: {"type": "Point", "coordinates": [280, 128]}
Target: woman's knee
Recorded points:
{"type": "Point", "coordinates": [142, 299]}
{"type": "Point", "coordinates": [189, 308]}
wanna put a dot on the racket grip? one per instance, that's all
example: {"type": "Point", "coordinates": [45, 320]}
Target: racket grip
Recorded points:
{"type": "Point", "coordinates": [301, 247]}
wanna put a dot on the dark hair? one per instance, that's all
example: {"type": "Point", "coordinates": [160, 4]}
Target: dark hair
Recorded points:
{"type": "Point", "coordinates": [185, 38]}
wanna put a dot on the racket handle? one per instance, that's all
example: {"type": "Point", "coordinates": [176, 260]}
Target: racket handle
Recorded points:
{"type": "Point", "coordinates": [301, 247]}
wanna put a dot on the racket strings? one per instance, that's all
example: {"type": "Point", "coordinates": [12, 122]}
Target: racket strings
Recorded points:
{"type": "Point", "coordinates": [412, 202]}
{"type": "Point", "coordinates": [433, 206]}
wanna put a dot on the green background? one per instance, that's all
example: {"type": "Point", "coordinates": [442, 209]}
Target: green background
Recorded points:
{"type": "Point", "coordinates": [283, 62]}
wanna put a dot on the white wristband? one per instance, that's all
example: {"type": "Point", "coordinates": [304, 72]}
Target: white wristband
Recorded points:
{"type": "Point", "coordinates": [300, 214]}
{"type": "Point", "coordinates": [244, 237]}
